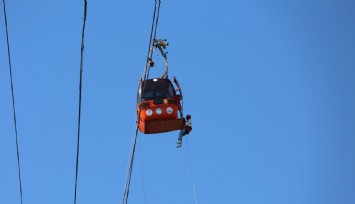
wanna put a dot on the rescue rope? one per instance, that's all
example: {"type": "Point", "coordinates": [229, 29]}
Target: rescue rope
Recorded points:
{"type": "Point", "coordinates": [13, 102]}
{"type": "Point", "coordinates": [191, 173]}
{"type": "Point", "coordinates": [80, 94]}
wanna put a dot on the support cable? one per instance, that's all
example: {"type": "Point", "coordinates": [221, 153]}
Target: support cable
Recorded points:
{"type": "Point", "coordinates": [80, 94]}
{"type": "Point", "coordinates": [13, 103]}
{"type": "Point", "coordinates": [152, 37]}
{"type": "Point", "coordinates": [156, 22]}
{"type": "Point", "coordinates": [130, 167]}
{"type": "Point", "coordinates": [145, 77]}
{"type": "Point", "coordinates": [142, 172]}
{"type": "Point", "coordinates": [147, 66]}
{"type": "Point", "coordinates": [155, 34]}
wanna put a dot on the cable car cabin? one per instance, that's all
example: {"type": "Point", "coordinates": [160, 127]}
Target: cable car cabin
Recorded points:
{"type": "Point", "coordinates": [158, 106]}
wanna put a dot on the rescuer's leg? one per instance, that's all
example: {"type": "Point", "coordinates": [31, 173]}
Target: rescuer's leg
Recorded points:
{"type": "Point", "coordinates": [181, 134]}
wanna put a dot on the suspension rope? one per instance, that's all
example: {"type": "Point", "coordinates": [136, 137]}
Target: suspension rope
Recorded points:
{"type": "Point", "coordinates": [152, 37]}
{"type": "Point", "coordinates": [191, 173]}
{"type": "Point", "coordinates": [80, 94]}
{"type": "Point", "coordinates": [156, 22]}
{"type": "Point", "coordinates": [155, 34]}
{"type": "Point", "coordinates": [142, 172]}
{"type": "Point", "coordinates": [145, 77]}
{"type": "Point", "coordinates": [130, 166]}
{"type": "Point", "coordinates": [150, 43]}
{"type": "Point", "coordinates": [13, 103]}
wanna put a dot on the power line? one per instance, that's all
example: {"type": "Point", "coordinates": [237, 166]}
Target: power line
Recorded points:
{"type": "Point", "coordinates": [80, 94]}
{"type": "Point", "coordinates": [13, 102]}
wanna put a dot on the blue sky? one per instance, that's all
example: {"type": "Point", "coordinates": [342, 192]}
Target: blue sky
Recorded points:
{"type": "Point", "coordinates": [269, 85]}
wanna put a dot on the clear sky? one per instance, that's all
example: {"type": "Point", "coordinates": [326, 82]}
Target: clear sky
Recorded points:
{"type": "Point", "coordinates": [269, 85]}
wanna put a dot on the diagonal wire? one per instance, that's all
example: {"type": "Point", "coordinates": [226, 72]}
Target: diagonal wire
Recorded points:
{"type": "Point", "coordinates": [145, 76]}
{"type": "Point", "coordinates": [156, 22]}
{"type": "Point", "coordinates": [13, 102]}
{"type": "Point", "coordinates": [142, 172]}
{"type": "Point", "coordinates": [80, 93]}
{"type": "Point", "coordinates": [146, 69]}
{"type": "Point", "coordinates": [130, 167]}
{"type": "Point", "coordinates": [155, 32]}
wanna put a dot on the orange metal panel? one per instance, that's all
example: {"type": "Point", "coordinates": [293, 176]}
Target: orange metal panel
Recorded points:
{"type": "Point", "coordinates": [160, 126]}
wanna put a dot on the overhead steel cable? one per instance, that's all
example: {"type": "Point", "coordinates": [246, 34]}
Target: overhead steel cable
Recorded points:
{"type": "Point", "coordinates": [135, 136]}
{"type": "Point", "coordinates": [80, 94]}
{"type": "Point", "coordinates": [145, 77]}
{"type": "Point", "coordinates": [130, 167]}
{"type": "Point", "coordinates": [142, 172]}
{"type": "Point", "coordinates": [155, 34]}
{"type": "Point", "coordinates": [13, 102]}
{"type": "Point", "coordinates": [150, 43]}
{"type": "Point", "coordinates": [152, 37]}
{"type": "Point", "coordinates": [156, 22]}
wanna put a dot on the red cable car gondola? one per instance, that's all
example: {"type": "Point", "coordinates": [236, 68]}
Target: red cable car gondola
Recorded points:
{"type": "Point", "coordinates": [159, 106]}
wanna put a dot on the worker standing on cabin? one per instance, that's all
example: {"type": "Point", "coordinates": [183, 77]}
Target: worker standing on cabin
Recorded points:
{"type": "Point", "coordinates": [185, 131]}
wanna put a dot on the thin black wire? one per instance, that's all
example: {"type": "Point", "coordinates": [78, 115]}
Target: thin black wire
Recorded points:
{"type": "Point", "coordinates": [156, 22]}
{"type": "Point", "coordinates": [130, 169]}
{"type": "Point", "coordinates": [145, 76]}
{"type": "Point", "coordinates": [146, 69]}
{"type": "Point", "coordinates": [80, 94]}
{"type": "Point", "coordinates": [13, 102]}
{"type": "Point", "coordinates": [155, 33]}
{"type": "Point", "coordinates": [142, 172]}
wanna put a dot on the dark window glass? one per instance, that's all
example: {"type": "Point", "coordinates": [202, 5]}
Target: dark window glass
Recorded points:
{"type": "Point", "coordinates": [162, 88]}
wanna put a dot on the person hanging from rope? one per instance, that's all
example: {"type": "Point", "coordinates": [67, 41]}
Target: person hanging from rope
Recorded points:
{"type": "Point", "coordinates": [185, 130]}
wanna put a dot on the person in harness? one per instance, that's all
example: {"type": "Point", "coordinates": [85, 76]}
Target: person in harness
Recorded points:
{"type": "Point", "coordinates": [185, 131]}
